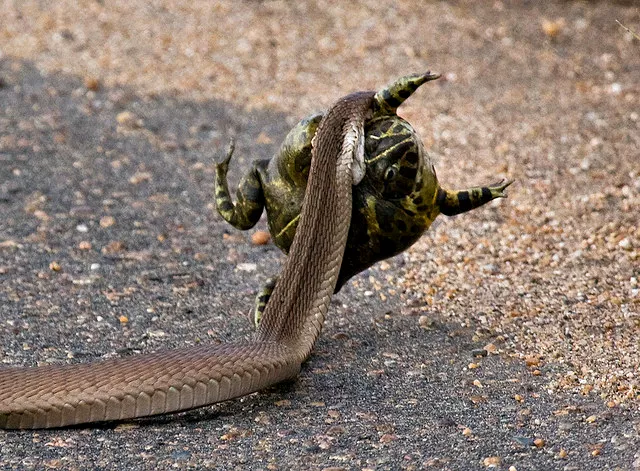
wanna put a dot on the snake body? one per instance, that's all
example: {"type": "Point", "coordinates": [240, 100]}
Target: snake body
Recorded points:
{"type": "Point", "coordinates": [176, 380]}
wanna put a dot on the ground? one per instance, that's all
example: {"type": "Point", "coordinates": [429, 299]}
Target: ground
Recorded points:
{"type": "Point", "coordinates": [507, 337]}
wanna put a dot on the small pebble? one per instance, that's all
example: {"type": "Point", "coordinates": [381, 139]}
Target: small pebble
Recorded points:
{"type": "Point", "coordinates": [492, 461]}
{"type": "Point", "coordinates": [388, 437]}
{"type": "Point", "coordinates": [113, 247]}
{"type": "Point", "coordinates": [260, 238]}
{"type": "Point", "coordinates": [335, 430]}
{"type": "Point", "coordinates": [126, 427]}
{"type": "Point", "coordinates": [107, 221]}
{"type": "Point", "coordinates": [129, 120]}
{"type": "Point", "coordinates": [552, 28]}
{"type": "Point", "coordinates": [531, 360]}
{"type": "Point", "coordinates": [91, 83]}
{"type": "Point", "coordinates": [139, 177]}
{"type": "Point", "coordinates": [247, 267]}
{"type": "Point", "coordinates": [55, 266]}
{"type": "Point", "coordinates": [491, 348]}
{"type": "Point", "coordinates": [539, 442]}
{"type": "Point", "coordinates": [625, 244]}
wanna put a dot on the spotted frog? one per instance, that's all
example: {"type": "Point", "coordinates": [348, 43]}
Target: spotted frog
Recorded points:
{"type": "Point", "coordinates": [394, 204]}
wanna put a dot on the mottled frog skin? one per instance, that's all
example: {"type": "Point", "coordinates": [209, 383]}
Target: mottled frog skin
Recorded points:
{"type": "Point", "coordinates": [393, 205]}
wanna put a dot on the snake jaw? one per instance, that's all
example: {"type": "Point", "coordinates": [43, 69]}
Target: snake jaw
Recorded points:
{"type": "Point", "coordinates": [359, 166]}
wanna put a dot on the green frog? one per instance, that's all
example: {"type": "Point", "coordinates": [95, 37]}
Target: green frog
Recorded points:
{"type": "Point", "coordinates": [393, 205]}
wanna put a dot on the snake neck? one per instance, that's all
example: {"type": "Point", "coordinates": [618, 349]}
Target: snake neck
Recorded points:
{"type": "Point", "coordinates": [298, 305]}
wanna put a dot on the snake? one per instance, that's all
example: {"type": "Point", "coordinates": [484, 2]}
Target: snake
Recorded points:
{"type": "Point", "coordinates": [182, 379]}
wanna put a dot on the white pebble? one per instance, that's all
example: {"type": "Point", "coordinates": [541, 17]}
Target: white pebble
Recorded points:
{"type": "Point", "coordinates": [625, 243]}
{"type": "Point", "coordinates": [247, 267]}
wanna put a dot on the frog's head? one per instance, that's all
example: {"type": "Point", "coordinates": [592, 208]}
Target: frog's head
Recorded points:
{"type": "Point", "coordinates": [393, 205]}
{"type": "Point", "coordinates": [395, 202]}
{"type": "Point", "coordinates": [396, 160]}
{"type": "Point", "coordinates": [394, 156]}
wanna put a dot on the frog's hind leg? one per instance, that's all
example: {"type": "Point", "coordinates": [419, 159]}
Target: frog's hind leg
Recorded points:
{"type": "Point", "coordinates": [261, 300]}
{"type": "Point", "coordinates": [246, 212]}
{"type": "Point", "coordinates": [451, 203]}
{"type": "Point", "coordinates": [393, 95]}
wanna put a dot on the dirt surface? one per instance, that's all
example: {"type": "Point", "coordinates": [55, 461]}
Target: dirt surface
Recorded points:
{"type": "Point", "coordinates": [508, 337]}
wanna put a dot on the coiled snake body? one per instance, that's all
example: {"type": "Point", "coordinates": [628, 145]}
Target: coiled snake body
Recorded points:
{"type": "Point", "coordinates": [57, 396]}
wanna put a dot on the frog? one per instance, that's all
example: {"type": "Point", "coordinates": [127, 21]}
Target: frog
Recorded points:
{"type": "Point", "coordinates": [393, 205]}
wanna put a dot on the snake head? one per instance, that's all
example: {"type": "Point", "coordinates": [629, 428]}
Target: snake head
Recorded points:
{"type": "Point", "coordinates": [387, 100]}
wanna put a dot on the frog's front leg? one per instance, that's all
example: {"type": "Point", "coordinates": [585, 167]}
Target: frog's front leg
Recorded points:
{"type": "Point", "coordinates": [451, 203]}
{"type": "Point", "coordinates": [249, 198]}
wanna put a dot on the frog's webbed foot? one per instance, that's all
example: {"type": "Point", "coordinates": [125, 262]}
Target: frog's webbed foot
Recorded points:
{"type": "Point", "coordinates": [497, 189]}
{"type": "Point", "coordinates": [393, 95]}
{"type": "Point", "coordinates": [250, 197]}
{"type": "Point", "coordinates": [262, 299]}
{"type": "Point", "coordinates": [451, 203]}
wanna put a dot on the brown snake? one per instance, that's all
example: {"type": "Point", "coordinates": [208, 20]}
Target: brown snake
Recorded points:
{"type": "Point", "coordinates": [176, 380]}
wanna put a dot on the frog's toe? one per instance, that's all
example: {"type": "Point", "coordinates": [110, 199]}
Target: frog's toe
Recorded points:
{"type": "Point", "coordinates": [224, 162]}
{"type": "Point", "coordinates": [497, 189]}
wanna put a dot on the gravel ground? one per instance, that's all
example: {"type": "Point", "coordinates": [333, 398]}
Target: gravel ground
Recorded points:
{"type": "Point", "coordinates": [507, 337]}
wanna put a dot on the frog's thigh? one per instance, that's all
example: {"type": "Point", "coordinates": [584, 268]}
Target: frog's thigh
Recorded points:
{"type": "Point", "coordinates": [284, 238]}
{"type": "Point", "coordinates": [295, 153]}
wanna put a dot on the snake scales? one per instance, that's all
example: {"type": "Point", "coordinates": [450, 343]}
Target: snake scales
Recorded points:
{"type": "Point", "coordinates": [169, 381]}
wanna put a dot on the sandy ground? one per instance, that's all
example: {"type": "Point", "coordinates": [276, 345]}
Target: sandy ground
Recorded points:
{"type": "Point", "coordinates": [110, 114]}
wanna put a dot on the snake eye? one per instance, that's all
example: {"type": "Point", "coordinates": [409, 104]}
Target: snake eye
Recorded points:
{"type": "Point", "coordinates": [390, 174]}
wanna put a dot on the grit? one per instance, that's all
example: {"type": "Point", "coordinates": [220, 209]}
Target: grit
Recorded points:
{"type": "Point", "coordinates": [507, 338]}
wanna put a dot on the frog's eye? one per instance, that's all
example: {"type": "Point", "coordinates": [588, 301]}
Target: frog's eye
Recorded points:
{"type": "Point", "coordinates": [390, 173]}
